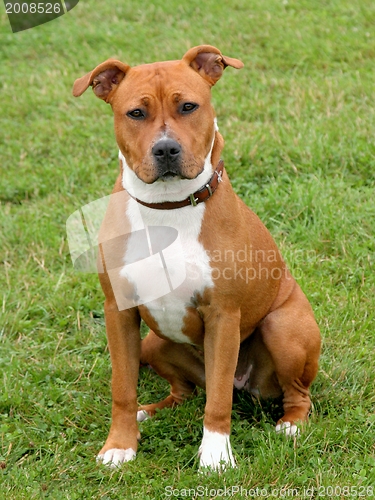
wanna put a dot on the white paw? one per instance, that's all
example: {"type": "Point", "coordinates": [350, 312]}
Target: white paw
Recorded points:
{"type": "Point", "coordinates": [142, 415]}
{"type": "Point", "coordinates": [288, 429]}
{"type": "Point", "coordinates": [115, 457]}
{"type": "Point", "coordinates": [215, 452]}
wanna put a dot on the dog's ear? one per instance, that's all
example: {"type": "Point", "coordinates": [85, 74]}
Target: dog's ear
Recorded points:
{"type": "Point", "coordinates": [209, 62]}
{"type": "Point", "coordinates": [104, 79]}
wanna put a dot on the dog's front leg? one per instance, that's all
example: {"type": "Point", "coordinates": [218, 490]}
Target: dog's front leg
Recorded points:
{"type": "Point", "coordinates": [221, 347]}
{"type": "Point", "coordinates": [124, 347]}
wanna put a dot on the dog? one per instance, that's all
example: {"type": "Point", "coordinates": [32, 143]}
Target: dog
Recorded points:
{"type": "Point", "coordinates": [237, 318]}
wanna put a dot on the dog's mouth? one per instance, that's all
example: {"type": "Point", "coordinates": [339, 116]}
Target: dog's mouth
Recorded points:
{"type": "Point", "coordinates": [169, 175]}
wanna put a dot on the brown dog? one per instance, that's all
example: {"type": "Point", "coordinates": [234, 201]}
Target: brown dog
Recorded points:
{"type": "Point", "coordinates": [231, 314]}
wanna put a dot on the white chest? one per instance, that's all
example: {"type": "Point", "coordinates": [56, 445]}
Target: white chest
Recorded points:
{"type": "Point", "coordinates": [176, 272]}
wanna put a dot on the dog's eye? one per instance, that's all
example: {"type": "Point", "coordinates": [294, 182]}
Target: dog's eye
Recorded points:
{"type": "Point", "coordinates": [136, 114]}
{"type": "Point", "coordinates": [188, 107]}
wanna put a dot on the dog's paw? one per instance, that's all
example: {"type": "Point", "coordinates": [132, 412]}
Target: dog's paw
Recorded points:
{"type": "Point", "coordinates": [288, 429]}
{"type": "Point", "coordinates": [115, 457]}
{"type": "Point", "coordinates": [142, 415]}
{"type": "Point", "coordinates": [215, 452]}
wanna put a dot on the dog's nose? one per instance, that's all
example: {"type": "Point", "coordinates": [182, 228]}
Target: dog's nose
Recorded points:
{"type": "Point", "coordinates": [166, 151]}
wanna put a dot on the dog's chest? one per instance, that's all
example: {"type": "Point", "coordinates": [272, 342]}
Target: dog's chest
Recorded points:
{"type": "Point", "coordinates": [184, 265]}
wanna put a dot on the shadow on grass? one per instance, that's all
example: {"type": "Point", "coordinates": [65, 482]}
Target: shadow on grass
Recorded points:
{"type": "Point", "coordinates": [254, 410]}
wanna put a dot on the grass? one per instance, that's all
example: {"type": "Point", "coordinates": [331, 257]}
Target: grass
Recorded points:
{"type": "Point", "coordinates": [298, 122]}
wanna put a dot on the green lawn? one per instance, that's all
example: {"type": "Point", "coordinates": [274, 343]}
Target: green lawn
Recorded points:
{"type": "Point", "coordinates": [299, 124]}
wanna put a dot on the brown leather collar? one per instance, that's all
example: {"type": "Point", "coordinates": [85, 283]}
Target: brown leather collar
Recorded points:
{"type": "Point", "coordinates": [199, 196]}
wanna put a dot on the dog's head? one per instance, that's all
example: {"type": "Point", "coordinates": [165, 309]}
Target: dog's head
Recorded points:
{"type": "Point", "coordinates": [164, 120]}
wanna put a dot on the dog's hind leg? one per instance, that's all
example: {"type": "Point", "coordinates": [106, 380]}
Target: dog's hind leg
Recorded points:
{"type": "Point", "coordinates": [292, 338]}
{"type": "Point", "coordinates": [181, 364]}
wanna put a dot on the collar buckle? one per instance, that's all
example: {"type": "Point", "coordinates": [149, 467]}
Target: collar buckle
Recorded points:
{"type": "Point", "coordinates": [193, 200]}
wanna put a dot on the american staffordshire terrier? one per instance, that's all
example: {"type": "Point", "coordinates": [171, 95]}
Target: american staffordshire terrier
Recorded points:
{"type": "Point", "coordinates": [239, 318]}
